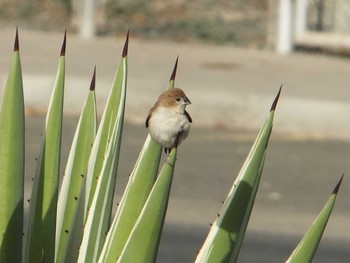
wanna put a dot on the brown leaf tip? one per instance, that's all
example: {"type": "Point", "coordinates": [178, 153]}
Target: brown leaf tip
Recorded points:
{"type": "Point", "coordinates": [16, 46]}
{"type": "Point", "coordinates": [93, 80]}
{"type": "Point", "coordinates": [126, 46]}
{"type": "Point", "coordinates": [274, 104]}
{"type": "Point", "coordinates": [173, 74]}
{"type": "Point", "coordinates": [63, 49]}
{"type": "Point", "coordinates": [336, 188]}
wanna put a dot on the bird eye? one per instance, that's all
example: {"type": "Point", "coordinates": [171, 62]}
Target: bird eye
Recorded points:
{"type": "Point", "coordinates": [178, 99]}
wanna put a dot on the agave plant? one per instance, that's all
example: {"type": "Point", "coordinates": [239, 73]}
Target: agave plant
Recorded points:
{"type": "Point", "coordinates": [74, 223]}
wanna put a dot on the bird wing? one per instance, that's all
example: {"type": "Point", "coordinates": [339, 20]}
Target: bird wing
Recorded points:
{"type": "Point", "coordinates": [149, 116]}
{"type": "Point", "coordinates": [188, 116]}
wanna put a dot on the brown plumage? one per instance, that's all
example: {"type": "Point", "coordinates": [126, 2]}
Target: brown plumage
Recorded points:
{"type": "Point", "coordinates": [167, 120]}
{"type": "Point", "coordinates": [166, 99]}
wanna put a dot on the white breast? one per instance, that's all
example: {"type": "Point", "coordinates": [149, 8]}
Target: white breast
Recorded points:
{"type": "Point", "coordinates": [165, 124]}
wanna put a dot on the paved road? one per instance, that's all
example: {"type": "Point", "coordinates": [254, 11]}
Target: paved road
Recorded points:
{"type": "Point", "coordinates": [229, 87]}
{"type": "Point", "coordinates": [231, 91]}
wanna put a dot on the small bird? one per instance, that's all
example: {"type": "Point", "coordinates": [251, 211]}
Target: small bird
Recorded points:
{"type": "Point", "coordinates": [168, 121]}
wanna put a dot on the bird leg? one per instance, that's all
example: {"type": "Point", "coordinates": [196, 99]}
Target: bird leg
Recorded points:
{"type": "Point", "coordinates": [167, 150]}
{"type": "Point", "coordinates": [176, 143]}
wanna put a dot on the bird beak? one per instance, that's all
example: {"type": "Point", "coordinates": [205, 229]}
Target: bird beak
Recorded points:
{"type": "Point", "coordinates": [187, 101]}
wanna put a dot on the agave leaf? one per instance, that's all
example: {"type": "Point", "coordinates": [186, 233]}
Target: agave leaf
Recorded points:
{"type": "Point", "coordinates": [226, 235]}
{"type": "Point", "coordinates": [140, 183]}
{"type": "Point", "coordinates": [12, 163]}
{"type": "Point", "coordinates": [149, 225]}
{"type": "Point", "coordinates": [135, 195]}
{"type": "Point", "coordinates": [40, 233]}
{"type": "Point", "coordinates": [307, 247]}
{"type": "Point", "coordinates": [74, 173]}
{"type": "Point", "coordinates": [75, 234]}
{"type": "Point", "coordinates": [107, 122]}
{"type": "Point", "coordinates": [99, 214]}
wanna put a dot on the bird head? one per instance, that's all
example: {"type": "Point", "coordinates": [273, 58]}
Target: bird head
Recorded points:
{"type": "Point", "coordinates": [174, 98]}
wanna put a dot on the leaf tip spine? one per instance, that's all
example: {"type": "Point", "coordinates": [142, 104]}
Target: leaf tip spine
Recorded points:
{"type": "Point", "coordinates": [93, 80]}
{"type": "Point", "coordinates": [336, 188]}
{"type": "Point", "coordinates": [16, 45]}
{"type": "Point", "coordinates": [173, 74]}
{"type": "Point", "coordinates": [63, 49]}
{"type": "Point", "coordinates": [126, 46]}
{"type": "Point", "coordinates": [274, 104]}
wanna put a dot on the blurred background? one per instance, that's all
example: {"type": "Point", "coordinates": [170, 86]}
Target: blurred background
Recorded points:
{"type": "Point", "coordinates": [247, 23]}
{"type": "Point", "coordinates": [233, 57]}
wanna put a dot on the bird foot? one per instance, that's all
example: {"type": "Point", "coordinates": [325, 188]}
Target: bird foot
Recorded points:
{"type": "Point", "coordinates": [175, 144]}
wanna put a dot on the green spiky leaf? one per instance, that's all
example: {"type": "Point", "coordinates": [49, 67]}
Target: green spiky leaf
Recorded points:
{"type": "Point", "coordinates": [99, 214]}
{"type": "Point", "coordinates": [40, 232]}
{"type": "Point", "coordinates": [12, 163]}
{"type": "Point", "coordinates": [149, 225]}
{"type": "Point", "coordinates": [307, 247]}
{"type": "Point", "coordinates": [135, 195]}
{"type": "Point", "coordinates": [108, 120]}
{"type": "Point", "coordinates": [73, 180]}
{"type": "Point", "coordinates": [226, 235]}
